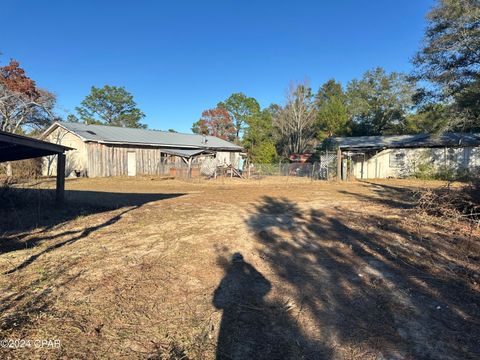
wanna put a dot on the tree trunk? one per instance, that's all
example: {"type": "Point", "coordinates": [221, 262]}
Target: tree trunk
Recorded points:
{"type": "Point", "coordinates": [9, 170]}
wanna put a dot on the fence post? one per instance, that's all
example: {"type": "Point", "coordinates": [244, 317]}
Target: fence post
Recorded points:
{"type": "Point", "coordinates": [339, 164]}
{"type": "Point", "coordinates": [327, 163]}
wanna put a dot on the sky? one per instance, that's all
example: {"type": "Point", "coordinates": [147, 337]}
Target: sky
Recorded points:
{"type": "Point", "coordinates": [181, 57]}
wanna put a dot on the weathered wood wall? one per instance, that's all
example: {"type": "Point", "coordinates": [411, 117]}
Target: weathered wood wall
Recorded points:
{"type": "Point", "coordinates": [106, 160]}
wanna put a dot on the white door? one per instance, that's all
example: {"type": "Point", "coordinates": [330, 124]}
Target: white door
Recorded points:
{"type": "Point", "coordinates": [131, 163]}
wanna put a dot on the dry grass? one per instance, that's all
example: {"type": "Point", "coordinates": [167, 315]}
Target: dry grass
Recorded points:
{"type": "Point", "coordinates": [453, 203]}
{"type": "Point", "coordinates": [143, 268]}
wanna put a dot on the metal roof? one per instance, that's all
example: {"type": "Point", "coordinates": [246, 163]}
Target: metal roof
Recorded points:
{"type": "Point", "coordinates": [129, 136]}
{"type": "Point", "coordinates": [186, 153]}
{"type": "Point", "coordinates": [18, 147]}
{"type": "Point", "coordinates": [406, 141]}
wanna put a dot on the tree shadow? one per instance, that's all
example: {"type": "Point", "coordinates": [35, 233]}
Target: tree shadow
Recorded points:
{"type": "Point", "coordinates": [252, 327]}
{"type": "Point", "coordinates": [31, 214]}
{"type": "Point", "coordinates": [24, 302]}
{"type": "Point", "coordinates": [374, 286]}
{"type": "Point", "coordinates": [393, 196]}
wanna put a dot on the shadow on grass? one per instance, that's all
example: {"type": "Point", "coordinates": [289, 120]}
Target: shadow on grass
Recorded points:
{"type": "Point", "coordinates": [251, 326]}
{"type": "Point", "coordinates": [27, 215]}
{"type": "Point", "coordinates": [393, 196]}
{"type": "Point", "coordinates": [368, 284]}
{"type": "Point", "coordinates": [21, 304]}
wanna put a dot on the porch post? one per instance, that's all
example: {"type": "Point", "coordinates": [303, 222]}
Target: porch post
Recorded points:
{"type": "Point", "coordinates": [60, 190]}
{"type": "Point", "coordinates": [339, 164]}
{"type": "Point", "coordinates": [189, 167]}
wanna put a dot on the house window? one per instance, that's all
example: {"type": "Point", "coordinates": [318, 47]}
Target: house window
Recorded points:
{"type": "Point", "coordinates": [451, 154]}
{"type": "Point", "coordinates": [397, 159]}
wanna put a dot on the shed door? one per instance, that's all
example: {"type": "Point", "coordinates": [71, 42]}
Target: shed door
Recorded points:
{"type": "Point", "coordinates": [131, 163]}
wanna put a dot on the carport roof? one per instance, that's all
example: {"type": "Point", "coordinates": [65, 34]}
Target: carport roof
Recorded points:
{"type": "Point", "coordinates": [406, 141]}
{"type": "Point", "coordinates": [186, 153]}
{"type": "Point", "coordinates": [17, 147]}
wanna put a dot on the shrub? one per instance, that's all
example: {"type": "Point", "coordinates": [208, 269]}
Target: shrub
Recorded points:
{"type": "Point", "coordinates": [453, 203]}
{"type": "Point", "coordinates": [24, 169]}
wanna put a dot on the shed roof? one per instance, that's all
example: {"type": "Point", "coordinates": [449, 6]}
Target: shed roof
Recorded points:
{"type": "Point", "coordinates": [406, 141]}
{"type": "Point", "coordinates": [186, 153]}
{"type": "Point", "coordinates": [17, 147]}
{"type": "Point", "coordinates": [129, 136]}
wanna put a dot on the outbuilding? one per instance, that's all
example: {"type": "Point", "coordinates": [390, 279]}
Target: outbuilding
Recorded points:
{"type": "Point", "coordinates": [398, 156]}
{"type": "Point", "coordinates": [18, 147]}
{"type": "Point", "coordinates": [115, 151]}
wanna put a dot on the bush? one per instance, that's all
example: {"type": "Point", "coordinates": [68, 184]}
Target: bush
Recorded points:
{"type": "Point", "coordinates": [453, 203]}
{"type": "Point", "coordinates": [428, 171]}
{"type": "Point", "coordinates": [424, 171]}
{"type": "Point", "coordinates": [24, 169]}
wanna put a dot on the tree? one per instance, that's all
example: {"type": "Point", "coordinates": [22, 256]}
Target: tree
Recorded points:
{"type": "Point", "coordinates": [72, 118]}
{"type": "Point", "coordinates": [258, 138]}
{"type": "Point", "coordinates": [240, 108]}
{"type": "Point", "coordinates": [22, 103]}
{"type": "Point", "coordinates": [450, 58]}
{"type": "Point", "coordinates": [200, 127]}
{"type": "Point", "coordinates": [430, 118]}
{"type": "Point", "coordinates": [215, 122]}
{"type": "Point", "coordinates": [379, 102]}
{"type": "Point", "coordinates": [110, 105]}
{"type": "Point", "coordinates": [295, 121]}
{"type": "Point", "coordinates": [332, 114]}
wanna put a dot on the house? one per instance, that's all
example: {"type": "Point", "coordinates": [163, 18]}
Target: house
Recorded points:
{"type": "Point", "coordinates": [114, 151]}
{"type": "Point", "coordinates": [400, 156]}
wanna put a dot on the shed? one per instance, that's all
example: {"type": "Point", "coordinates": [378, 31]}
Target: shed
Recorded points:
{"type": "Point", "coordinates": [17, 147]}
{"type": "Point", "coordinates": [403, 155]}
{"type": "Point", "coordinates": [112, 151]}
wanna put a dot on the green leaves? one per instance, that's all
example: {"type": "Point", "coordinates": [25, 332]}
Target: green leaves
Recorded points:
{"type": "Point", "coordinates": [449, 61]}
{"type": "Point", "coordinates": [332, 114]}
{"type": "Point", "coordinates": [379, 102]}
{"type": "Point", "coordinates": [258, 138]}
{"type": "Point", "coordinates": [110, 105]}
{"type": "Point", "coordinates": [376, 104]}
{"type": "Point", "coordinates": [240, 108]}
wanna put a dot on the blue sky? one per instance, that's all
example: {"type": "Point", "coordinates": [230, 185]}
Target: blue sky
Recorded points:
{"type": "Point", "coordinates": [179, 58]}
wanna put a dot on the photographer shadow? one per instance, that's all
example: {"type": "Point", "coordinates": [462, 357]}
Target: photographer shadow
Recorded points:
{"type": "Point", "coordinates": [252, 327]}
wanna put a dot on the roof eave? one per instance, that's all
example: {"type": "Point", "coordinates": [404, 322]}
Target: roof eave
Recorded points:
{"type": "Point", "coordinates": [26, 141]}
{"type": "Point", "coordinates": [162, 145]}
{"type": "Point", "coordinates": [57, 124]}
{"type": "Point", "coordinates": [406, 146]}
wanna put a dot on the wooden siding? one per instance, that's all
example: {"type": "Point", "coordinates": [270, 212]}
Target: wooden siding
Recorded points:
{"type": "Point", "coordinates": [105, 160]}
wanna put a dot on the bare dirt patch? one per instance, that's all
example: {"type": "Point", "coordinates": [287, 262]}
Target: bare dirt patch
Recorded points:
{"type": "Point", "coordinates": [231, 269]}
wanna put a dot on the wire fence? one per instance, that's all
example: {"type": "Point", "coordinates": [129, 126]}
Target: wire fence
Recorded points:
{"type": "Point", "coordinates": [316, 171]}
{"type": "Point", "coordinates": [325, 168]}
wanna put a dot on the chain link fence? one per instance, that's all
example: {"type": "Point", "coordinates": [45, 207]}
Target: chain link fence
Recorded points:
{"type": "Point", "coordinates": [325, 168]}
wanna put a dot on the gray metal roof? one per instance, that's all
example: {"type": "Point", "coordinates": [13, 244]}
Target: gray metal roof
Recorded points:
{"type": "Point", "coordinates": [186, 153]}
{"type": "Point", "coordinates": [406, 141]}
{"type": "Point", "coordinates": [120, 135]}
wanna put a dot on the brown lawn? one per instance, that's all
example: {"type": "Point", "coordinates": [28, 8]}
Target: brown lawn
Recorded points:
{"type": "Point", "coordinates": [278, 268]}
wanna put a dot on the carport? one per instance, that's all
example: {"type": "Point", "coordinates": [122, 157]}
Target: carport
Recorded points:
{"type": "Point", "coordinates": [187, 155]}
{"type": "Point", "coordinates": [17, 147]}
